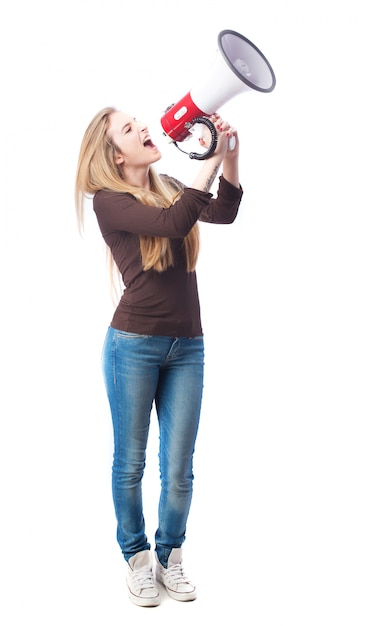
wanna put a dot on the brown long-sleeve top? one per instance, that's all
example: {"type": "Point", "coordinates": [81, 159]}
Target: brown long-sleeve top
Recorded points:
{"type": "Point", "coordinates": [159, 303]}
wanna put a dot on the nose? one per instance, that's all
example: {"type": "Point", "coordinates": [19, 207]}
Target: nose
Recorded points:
{"type": "Point", "coordinates": [141, 125]}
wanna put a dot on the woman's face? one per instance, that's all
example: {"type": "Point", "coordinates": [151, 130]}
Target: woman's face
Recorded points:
{"type": "Point", "coordinates": [133, 141]}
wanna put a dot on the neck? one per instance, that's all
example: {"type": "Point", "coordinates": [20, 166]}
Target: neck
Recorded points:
{"type": "Point", "coordinates": [137, 177]}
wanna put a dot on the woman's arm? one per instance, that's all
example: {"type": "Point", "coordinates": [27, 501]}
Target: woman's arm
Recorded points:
{"type": "Point", "coordinates": [223, 208]}
{"type": "Point", "coordinates": [123, 212]}
{"type": "Point", "coordinates": [230, 167]}
{"type": "Point", "coordinates": [222, 155]}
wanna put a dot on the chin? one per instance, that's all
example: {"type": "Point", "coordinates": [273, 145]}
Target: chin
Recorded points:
{"type": "Point", "coordinates": [156, 157]}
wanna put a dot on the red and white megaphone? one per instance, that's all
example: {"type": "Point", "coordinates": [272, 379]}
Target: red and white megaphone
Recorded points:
{"type": "Point", "coordinates": [239, 66]}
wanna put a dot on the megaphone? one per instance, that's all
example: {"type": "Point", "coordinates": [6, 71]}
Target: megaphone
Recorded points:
{"type": "Point", "coordinates": [239, 66]}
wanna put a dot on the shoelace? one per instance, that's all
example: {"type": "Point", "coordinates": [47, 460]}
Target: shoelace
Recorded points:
{"type": "Point", "coordinates": [177, 573]}
{"type": "Point", "coordinates": [144, 579]}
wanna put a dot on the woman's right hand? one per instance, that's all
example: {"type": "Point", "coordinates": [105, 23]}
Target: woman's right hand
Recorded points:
{"type": "Point", "coordinates": [225, 132]}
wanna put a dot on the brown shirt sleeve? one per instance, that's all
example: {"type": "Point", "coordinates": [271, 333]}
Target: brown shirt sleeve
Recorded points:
{"type": "Point", "coordinates": [122, 212]}
{"type": "Point", "coordinates": [224, 208]}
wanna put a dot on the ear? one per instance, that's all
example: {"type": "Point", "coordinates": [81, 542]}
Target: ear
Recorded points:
{"type": "Point", "coordinates": [119, 159]}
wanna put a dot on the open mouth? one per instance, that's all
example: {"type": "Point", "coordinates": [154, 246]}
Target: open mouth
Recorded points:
{"type": "Point", "coordinates": [148, 144]}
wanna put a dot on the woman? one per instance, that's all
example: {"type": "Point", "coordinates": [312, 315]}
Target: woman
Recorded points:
{"type": "Point", "coordinates": [153, 351]}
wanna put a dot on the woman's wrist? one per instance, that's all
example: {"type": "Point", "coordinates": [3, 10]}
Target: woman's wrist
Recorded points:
{"type": "Point", "coordinates": [207, 174]}
{"type": "Point", "coordinates": [231, 171]}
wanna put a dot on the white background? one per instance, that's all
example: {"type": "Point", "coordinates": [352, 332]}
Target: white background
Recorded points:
{"type": "Point", "coordinates": [278, 529]}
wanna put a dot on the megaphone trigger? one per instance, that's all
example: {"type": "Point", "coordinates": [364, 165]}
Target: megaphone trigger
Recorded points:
{"type": "Point", "coordinates": [231, 143]}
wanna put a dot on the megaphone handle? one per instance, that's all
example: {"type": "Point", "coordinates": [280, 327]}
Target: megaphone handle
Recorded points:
{"type": "Point", "coordinates": [212, 148]}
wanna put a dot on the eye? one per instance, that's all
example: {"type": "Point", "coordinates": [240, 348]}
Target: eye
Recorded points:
{"type": "Point", "coordinates": [128, 127]}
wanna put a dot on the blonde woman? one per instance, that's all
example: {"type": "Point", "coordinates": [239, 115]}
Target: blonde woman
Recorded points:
{"type": "Point", "coordinates": [153, 351]}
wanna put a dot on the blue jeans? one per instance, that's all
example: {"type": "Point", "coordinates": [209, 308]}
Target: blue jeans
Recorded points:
{"type": "Point", "coordinates": [140, 370]}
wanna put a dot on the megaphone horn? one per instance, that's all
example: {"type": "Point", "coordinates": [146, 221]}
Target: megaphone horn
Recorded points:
{"type": "Point", "coordinates": [238, 67]}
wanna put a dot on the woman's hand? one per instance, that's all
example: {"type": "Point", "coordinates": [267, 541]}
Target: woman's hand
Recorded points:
{"type": "Point", "coordinates": [227, 138]}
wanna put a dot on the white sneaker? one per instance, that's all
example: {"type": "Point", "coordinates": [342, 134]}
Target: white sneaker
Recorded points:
{"type": "Point", "coordinates": [141, 585]}
{"type": "Point", "coordinates": [173, 578]}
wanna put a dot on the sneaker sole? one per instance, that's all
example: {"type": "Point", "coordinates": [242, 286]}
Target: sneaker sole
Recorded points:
{"type": "Point", "coordinates": [182, 597]}
{"type": "Point", "coordinates": [176, 595]}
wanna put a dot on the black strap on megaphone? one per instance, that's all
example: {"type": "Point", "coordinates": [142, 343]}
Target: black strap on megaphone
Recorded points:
{"type": "Point", "coordinates": [211, 149]}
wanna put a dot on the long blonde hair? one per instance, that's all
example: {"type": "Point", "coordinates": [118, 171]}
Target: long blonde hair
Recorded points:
{"type": "Point", "coordinates": [97, 170]}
